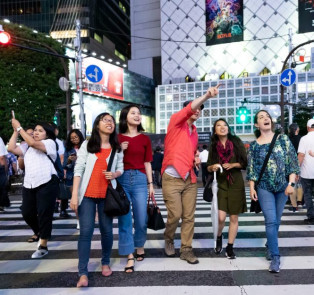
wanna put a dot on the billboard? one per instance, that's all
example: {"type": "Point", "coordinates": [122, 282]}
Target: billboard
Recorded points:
{"type": "Point", "coordinates": [306, 16]}
{"type": "Point", "coordinates": [102, 78]}
{"type": "Point", "coordinates": [224, 21]}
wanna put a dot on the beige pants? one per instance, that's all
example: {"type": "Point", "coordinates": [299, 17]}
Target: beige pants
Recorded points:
{"type": "Point", "coordinates": [296, 196]}
{"type": "Point", "coordinates": [180, 199]}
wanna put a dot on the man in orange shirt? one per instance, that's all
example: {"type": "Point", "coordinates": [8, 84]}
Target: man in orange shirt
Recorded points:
{"type": "Point", "coordinates": [178, 178]}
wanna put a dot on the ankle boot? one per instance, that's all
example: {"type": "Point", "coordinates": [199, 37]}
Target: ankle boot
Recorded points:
{"type": "Point", "coordinates": [218, 247]}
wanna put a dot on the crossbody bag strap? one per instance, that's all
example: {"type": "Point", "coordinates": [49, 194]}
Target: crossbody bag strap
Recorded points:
{"type": "Point", "coordinates": [111, 159]}
{"type": "Point", "coordinates": [272, 144]}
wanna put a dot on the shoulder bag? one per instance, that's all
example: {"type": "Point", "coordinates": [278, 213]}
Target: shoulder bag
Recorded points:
{"type": "Point", "coordinates": [255, 205]}
{"type": "Point", "coordinates": [116, 201]}
{"type": "Point", "coordinates": [155, 220]}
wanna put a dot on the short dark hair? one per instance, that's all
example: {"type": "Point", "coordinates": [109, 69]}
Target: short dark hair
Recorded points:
{"type": "Point", "coordinates": [123, 123]}
{"type": "Point", "coordinates": [204, 146]}
{"type": "Point", "coordinates": [292, 129]}
{"type": "Point", "coordinates": [48, 128]}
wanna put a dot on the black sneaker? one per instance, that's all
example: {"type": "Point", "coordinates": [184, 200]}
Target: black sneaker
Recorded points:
{"type": "Point", "coordinates": [309, 220]}
{"type": "Point", "coordinates": [64, 215]}
{"type": "Point", "coordinates": [218, 247]}
{"type": "Point", "coordinates": [230, 253]}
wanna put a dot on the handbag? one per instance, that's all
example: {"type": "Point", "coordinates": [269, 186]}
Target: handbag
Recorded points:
{"type": "Point", "coordinates": [155, 220]}
{"type": "Point", "coordinates": [116, 201]}
{"type": "Point", "coordinates": [255, 205]}
{"type": "Point", "coordinates": [208, 193]}
{"type": "Point", "coordinates": [65, 193]}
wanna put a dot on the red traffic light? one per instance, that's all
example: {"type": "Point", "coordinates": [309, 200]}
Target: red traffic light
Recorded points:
{"type": "Point", "coordinates": [4, 38]}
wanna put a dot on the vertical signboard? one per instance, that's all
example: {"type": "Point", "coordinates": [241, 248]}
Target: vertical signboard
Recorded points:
{"type": "Point", "coordinates": [224, 21]}
{"type": "Point", "coordinates": [306, 16]}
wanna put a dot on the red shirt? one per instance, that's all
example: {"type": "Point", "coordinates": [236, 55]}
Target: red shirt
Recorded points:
{"type": "Point", "coordinates": [138, 152]}
{"type": "Point", "coordinates": [180, 145]}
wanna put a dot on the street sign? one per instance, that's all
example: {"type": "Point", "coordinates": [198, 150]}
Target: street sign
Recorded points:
{"type": "Point", "coordinates": [288, 77]}
{"type": "Point", "coordinates": [94, 73]}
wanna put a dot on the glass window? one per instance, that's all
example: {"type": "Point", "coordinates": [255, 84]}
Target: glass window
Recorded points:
{"type": "Point", "coordinates": [199, 129]}
{"type": "Point", "coordinates": [230, 120]}
{"type": "Point", "coordinates": [230, 102]}
{"type": "Point", "coordinates": [176, 97]}
{"type": "Point", "coordinates": [162, 124]}
{"type": "Point", "coordinates": [214, 112]}
{"type": "Point", "coordinates": [198, 94]}
{"type": "Point", "coordinates": [169, 106]}
{"type": "Point", "coordinates": [161, 90]}
{"type": "Point", "coordinates": [264, 90]}
{"type": "Point", "coordinates": [191, 87]}
{"type": "Point", "coordinates": [182, 87]}
{"type": "Point", "coordinates": [176, 106]}
{"type": "Point", "coordinates": [265, 81]}
{"type": "Point", "coordinates": [265, 99]}
{"type": "Point", "coordinates": [256, 91]}
{"type": "Point", "coordinates": [162, 131]}
{"type": "Point", "coordinates": [230, 111]}
{"type": "Point", "coordinates": [222, 102]}
{"type": "Point", "coordinates": [206, 121]}
{"type": "Point", "coordinates": [222, 93]}
{"type": "Point", "coordinates": [301, 77]}
{"type": "Point", "coordinates": [239, 129]}
{"type": "Point", "coordinates": [247, 129]}
{"type": "Point", "coordinates": [247, 82]}
{"type": "Point", "coordinates": [191, 96]}
{"type": "Point", "coordinates": [169, 97]}
{"type": "Point", "coordinates": [239, 83]}
{"type": "Point", "coordinates": [214, 103]}
{"type": "Point", "coordinates": [169, 89]}
{"type": "Point", "coordinates": [230, 83]}
{"type": "Point", "coordinates": [162, 107]}
{"type": "Point", "coordinates": [169, 115]}
{"type": "Point", "coordinates": [255, 81]}
{"type": "Point", "coordinates": [230, 93]}
{"type": "Point", "coordinates": [274, 98]}
{"type": "Point", "coordinates": [176, 88]}
{"type": "Point", "coordinates": [239, 92]}
{"type": "Point", "coordinates": [222, 112]}
{"type": "Point", "coordinates": [273, 79]}
{"type": "Point", "coordinates": [207, 129]}
{"type": "Point", "coordinates": [247, 91]}
{"type": "Point", "coordinates": [162, 115]}
{"type": "Point", "coordinates": [183, 97]}
{"type": "Point", "coordinates": [310, 77]}
{"type": "Point", "coordinates": [198, 86]}
{"type": "Point", "coordinates": [205, 85]}
{"type": "Point", "coordinates": [162, 98]}
{"type": "Point", "coordinates": [206, 104]}
{"type": "Point", "coordinates": [205, 113]}
{"type": "Point", "coordinates": [273, 89]}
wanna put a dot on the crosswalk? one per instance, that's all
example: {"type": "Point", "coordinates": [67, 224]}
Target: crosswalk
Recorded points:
{"type": "Point", "coordinates": [57, 272]}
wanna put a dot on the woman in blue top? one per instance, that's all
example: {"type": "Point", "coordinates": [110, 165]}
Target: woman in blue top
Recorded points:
{"type": "Point", "coordinates": [277, 181]}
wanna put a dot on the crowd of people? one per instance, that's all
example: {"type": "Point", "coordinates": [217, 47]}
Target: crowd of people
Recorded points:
{"type": "Point", "coordinates": [272, 162]}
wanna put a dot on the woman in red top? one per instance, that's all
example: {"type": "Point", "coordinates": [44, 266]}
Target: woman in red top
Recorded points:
{"type": "Point", "coordinates": [137, 175]}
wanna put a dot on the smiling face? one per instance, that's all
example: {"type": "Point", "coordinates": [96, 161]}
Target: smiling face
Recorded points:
{"type": "Point", "coordinates": [221, 128]}
{"type": "Point", "coordinates": [75, 139]}
{"type": "Point", "coordinates": [264, 122]}
{"type": "Point", "coordinates": [39, 133]}
{"type": "Point", "coordinates": [106, 125]}
{"type": "Point", "coordinates": [134, 116]}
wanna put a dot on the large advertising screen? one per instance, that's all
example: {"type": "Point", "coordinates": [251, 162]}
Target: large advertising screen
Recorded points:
{"type": "Point", "coordinates": [306, 16]}
{"type": "Point", "coordinates": [224, 21]}
{"type": "Point", "coordinates": [102, 78]}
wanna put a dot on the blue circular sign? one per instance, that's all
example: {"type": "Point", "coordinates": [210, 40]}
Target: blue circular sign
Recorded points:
{"type": "Point", "coordinates": [288, 77]}
{"type": "Point", "coordinates": [93, 73]}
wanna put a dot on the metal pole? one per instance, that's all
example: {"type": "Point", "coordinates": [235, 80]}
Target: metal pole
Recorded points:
{"type": "Point", "coordinates": [80, 78]}
{"type": "Point", "coordinates": [289, 92]}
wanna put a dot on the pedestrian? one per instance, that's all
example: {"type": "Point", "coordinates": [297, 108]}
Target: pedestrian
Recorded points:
{"type": "Point", "coordinates": [276, 183]}
{"type": "Point", "coordinates": [179, 182]}
{"type": "Point", "coordinates": [30, 131]}
{"type": "Point", "coordinates": [156, 166]}
{"type": "Point", "coordinates": [294, 135]}
{"type": "Point", "coordinates": [41, 183]}
{"type": "Point", "coordinates": [227, 150]}
{"type": "Point", "coordinates": [73, 143]}
{"type": "Point", "coordinates": [203, 158]}
{"type": "Point", "coordinates": [90, 183]}
{"type": "Point", "coordinates": [306, 160]}
{"type": "Point", "coordinates": [3, 173]}
{"type": "Point", "coordinates": [137, 176]}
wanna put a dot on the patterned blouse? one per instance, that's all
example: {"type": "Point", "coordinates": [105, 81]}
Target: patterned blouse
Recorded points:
{"type": "Point", "coordinates": [283, 161]}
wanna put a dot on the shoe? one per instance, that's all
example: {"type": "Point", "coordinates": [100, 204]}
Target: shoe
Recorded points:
{"type": "Point", "coordinates": [41, 252]}
{"type": "Point", "coordinates": [1, 209]}
{"type": "Point", "coordinates": [293, 209]}
{"type": "Point", "coordinates": [299, 203]}
{"type": "Point", "coordinates": [275, 264]}
{"type": "Point", "coordinates": [309, 220]}
{"type": "Point", "coordinates": [268, 255]}
{"type": "Point", "coordinates": [106, 272]}
{"type": "Point", "coordinates": [139, 257]}
{"type": "Point", "coordinates": [189, 256]}
{"type": "Point", "coordinates": [64, 215]}
{"type": "Point", "coordinates": [83, 282]}
{"type": "Point", "coordinates": [32, 239]}
{"type": "Point", "coordinates": [77, 224]}
{"type": "Point", "coordinates": [56, 207]}
{"type": "Point", "coordinates": [218, 247]}
{"type": "Point", "coordinates": [169, 249]}
{"type": "Point", "coordinates": [230, 253]}
{"type": "Point", "coordinates": [129, 267]}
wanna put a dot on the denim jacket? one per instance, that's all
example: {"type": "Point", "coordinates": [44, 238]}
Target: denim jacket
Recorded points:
{"type": "Point", "coordinates": [85, 164]}
{"type": "Point", "coordinates": [69, 167]}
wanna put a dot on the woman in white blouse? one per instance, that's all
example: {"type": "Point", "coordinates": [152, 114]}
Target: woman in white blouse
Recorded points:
{"type": "Point", "coordinates": [41, 183]}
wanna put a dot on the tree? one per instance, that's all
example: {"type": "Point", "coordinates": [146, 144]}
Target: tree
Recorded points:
{"type": "Point", "coordinates": [29, 80]}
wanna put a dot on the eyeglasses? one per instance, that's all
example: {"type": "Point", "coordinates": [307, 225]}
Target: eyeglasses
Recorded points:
{"type": "Point", "coordinates": [74, 137]}
{"type": "Point", "coordinates": [109, 121]}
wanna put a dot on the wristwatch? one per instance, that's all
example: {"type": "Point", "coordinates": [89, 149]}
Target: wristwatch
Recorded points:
{"type": "Point", "coordinates": [291, 184]}
{"type": "Point", "coordinates": [18, 129]}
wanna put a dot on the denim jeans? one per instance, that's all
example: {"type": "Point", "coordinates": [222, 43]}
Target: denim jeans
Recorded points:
{"type": "Point", "coordinates": [272, 205]}
{"type": "Point", "coordinates": [134, 184]}
{"type": "Point", "coordinates": [308, 190]}
{"type": "Point", "coordinates": [86, 213]}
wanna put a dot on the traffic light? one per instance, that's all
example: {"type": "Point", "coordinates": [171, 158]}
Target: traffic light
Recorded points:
{"type": "Point", "coordinates": [5, 37]}
{"type": "Point", "coordinates": [56, 118]}
{"type": "Point", "coordinates": [242, 114]}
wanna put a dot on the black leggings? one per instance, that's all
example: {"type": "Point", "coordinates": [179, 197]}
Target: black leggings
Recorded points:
{"type": "Point", "coordinates": [38, 207]}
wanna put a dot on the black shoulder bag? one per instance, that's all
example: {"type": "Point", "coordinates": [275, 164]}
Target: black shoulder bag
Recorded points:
{"type": "Point", "coordinates": [255, 205]}
{"type": "Point", "coordinates": [116, 201]}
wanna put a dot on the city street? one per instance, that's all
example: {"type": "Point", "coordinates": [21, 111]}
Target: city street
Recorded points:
{"type": "Point", "coordinates": [248, 274]}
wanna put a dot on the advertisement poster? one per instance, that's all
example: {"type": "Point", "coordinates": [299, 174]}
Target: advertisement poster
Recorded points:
{"type": "Point", "coordinates": [306, 16]}
{"type": "Point", "coordinates": [102, 78]}
{"type": "Point", "coordinates": [224, 21]}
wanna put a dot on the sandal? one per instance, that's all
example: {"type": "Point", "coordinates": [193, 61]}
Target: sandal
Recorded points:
{"type": "Point", "coordinates": [33, 238]}
{"type": "Point", "coordinates": [129, 267]}
{"type": "Point", "coordinates": [141, 256]}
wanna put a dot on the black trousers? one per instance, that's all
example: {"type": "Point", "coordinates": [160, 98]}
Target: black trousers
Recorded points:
{"type": "Point", "coordinates": [3, 183]}
{"type": "Point", "coordinates": [204, 173]}
{"type": "Point", "coordinates": [38, 206]}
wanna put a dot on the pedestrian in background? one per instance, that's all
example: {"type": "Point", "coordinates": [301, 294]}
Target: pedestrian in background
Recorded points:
{"type": "Point", "coordinates": [203, 158]}
{"type": "Point", "coordinates": [90, 184]}
{"type": "Point", "coordinates": [41, 183]}
{"type": "Point", "coordinates": [274, 188]}
{"type": "Point", "coordinates": [228, 151]}
{"type": "Point", "coordinates": [135, 179]}
{"type": "Point", "coordinates": [156, 166]}
{"type": "Point", "coordinates": [306, 160]}
{"type": "Point", "coordinates": [179, 182]}
{"type": "Point", "coordinates": [3, 173]}
{"type": "Point", "coordinates": [294, 135]}
{"type": "Point", "coordinates": [20, 160]}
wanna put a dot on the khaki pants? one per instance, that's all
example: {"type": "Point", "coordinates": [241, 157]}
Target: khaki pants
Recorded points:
{"type": "Point", "coordinates": [180, 199]}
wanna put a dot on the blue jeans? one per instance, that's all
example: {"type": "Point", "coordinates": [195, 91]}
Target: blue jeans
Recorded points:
{"type": "Point", "coordinates": [134, 184]}
{"type": "Point", "coordinates": [272, 205]}
{"type": "Point", "coordinates": [308, 190]}
{"type": "Point", "coordinates": [86, 213]}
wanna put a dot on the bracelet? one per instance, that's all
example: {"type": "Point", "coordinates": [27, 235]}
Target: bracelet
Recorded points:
{"type": "Point", "coordinates": [149, 182]}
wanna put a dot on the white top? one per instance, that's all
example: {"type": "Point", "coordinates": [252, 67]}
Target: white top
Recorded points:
{"type": "Point", "coordinates": [203, 156]}
{"type": "Point", "coordinates": [307, 144]}
{"type": "Point", "coordinates": [38, 167]}
{"type": "Point", "coordinates": [61, 149]}
{"type": "Point", "coordinates": [3, 150]}
{"type": "Point", "coordinates": [170, 170]}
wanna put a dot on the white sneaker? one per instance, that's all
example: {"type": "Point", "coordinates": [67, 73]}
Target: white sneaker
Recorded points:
{"type": "Point", "coordinates": [77, 224]}
{"type": "Point", "coordinates": [40, 253]}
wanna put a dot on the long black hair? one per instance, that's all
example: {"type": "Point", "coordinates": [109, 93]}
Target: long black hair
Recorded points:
{"type": "Point", "coordinates": [94, 143]}
{"type": "Point", "coordinates": [123, 123]}
{"type": "Point", "coordinates": [256, 131]}
{"type": "Point", "coordinates": [68, 144]}
{"type": "Point", "coordinates": [238, 147]}
{"type": "Point", "coordinates": [292, 129]}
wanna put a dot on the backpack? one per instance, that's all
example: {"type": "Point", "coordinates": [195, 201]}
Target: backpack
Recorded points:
{"type": "Point", "coordinates": [58, 166]}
